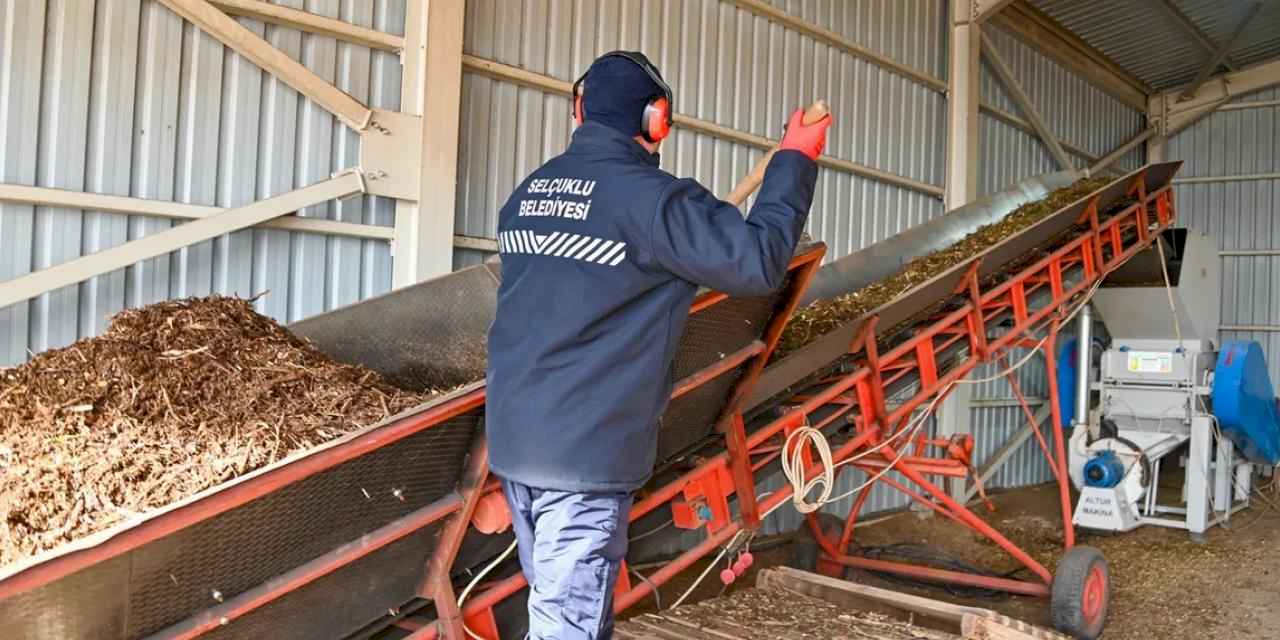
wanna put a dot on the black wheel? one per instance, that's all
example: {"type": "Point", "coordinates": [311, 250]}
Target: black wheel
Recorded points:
{"type": "Point", "coordinates": [804, 547]}
{"type": "Point", "coordinates": [1081, 593]}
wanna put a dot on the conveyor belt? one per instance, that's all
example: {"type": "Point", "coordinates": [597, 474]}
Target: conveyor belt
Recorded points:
{"type": "Point", "coordinates": [151, 573]}
{"type": "Point", "coordinates": [850, 273]}
{"type": "Point", "coordinates": [917, 307]}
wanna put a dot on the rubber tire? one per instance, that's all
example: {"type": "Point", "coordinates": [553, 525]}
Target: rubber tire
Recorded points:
{"type": "Point", "coordinates": [804, 547]}
{"type": "Point", "coordinates": [1067, 595]}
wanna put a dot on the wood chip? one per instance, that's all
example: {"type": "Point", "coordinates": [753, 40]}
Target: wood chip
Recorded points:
{"type": "Point", "coordinates": [822, 317]}
{"type": "Point", "coordinates": [171, 400]}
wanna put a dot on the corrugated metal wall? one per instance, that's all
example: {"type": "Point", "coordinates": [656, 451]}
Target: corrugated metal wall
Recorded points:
{"type": "Point", "coordinates": [1241, 214]}
{"type": "Point", "coordinates": [124, 98]}
{"type": "Point", "coordinates": [727, 65]}
{"type": "Point", "coordinates": [1078, 112]}
{"type": "Point", "coordinates": [732, 78]}
{"type": "Point", "coordinates": [996, 416]}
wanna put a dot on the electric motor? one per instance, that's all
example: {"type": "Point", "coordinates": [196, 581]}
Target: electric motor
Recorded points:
{"type": "Point", "coordinates": [1104, 470]}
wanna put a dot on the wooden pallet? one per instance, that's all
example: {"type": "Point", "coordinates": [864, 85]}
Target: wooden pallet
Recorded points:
{"type": "Point", "coordinates": [840, 626]}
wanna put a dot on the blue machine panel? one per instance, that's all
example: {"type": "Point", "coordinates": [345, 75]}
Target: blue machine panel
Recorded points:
{"type": "Point", "coordinates": [1245, 402]}
{"type": "Point", "coordinates": [1066, 360]}
{"type": "Point", "coordinates": [1066, 363]}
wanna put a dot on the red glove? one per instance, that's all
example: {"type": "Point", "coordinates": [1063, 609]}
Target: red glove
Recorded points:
{"type": "Point", "coordinates": [809, 139]}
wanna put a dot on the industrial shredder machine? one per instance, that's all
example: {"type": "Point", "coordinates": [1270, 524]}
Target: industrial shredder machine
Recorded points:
{"type": "Point", "coordinates": [387, 525]}
{"type": "Point", "coordinates": [1168, 392]}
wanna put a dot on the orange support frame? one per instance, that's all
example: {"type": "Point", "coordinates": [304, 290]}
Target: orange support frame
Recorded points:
{"type": "Point", "coordinates": [1067, 273]}
{"type": "Point", "coordinates": [1037, 299]}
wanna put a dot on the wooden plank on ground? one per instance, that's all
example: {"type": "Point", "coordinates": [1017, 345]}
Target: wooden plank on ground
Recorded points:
{"type": "Point", "coordinates": [867, 598]}
{"type": "Point", "coordinates": [998, 627]}
{"type": "Point", "coordinates": [703, 631]}
{"type": "Point", "coordinates": [630, 634]}
{"type": "Point", "coordinates": [663, 628]}
{"type": "Point", "coordinates": [775, 614]}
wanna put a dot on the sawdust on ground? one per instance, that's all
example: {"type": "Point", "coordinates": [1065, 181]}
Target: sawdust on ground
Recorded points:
{"type": "Point", "coordinates": [172, 399]}
{"type": "Point", "coordinates": [819, 318]}
{"type": "Point", "coordinates": [1164, 585]}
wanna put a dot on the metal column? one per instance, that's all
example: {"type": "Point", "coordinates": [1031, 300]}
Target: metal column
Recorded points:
{"type": "Point", "coordinates": [1223, 475]}
{"type": "Point", "coordinates": [962, 105]}
{"type": "Point", "coordinates": [1084, 349]}
{"type": "Point", "coordinates": [1197, 483]}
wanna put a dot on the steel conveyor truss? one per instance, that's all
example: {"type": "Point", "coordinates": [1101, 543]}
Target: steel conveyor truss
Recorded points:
{"type": "Point", "coordinates": [998, 302]}
{"type": "Point", "coordinates": [1015, 294]}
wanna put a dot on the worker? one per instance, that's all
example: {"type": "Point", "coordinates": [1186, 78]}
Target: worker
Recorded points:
{"type": "Point", "coordinates": [602, 253]}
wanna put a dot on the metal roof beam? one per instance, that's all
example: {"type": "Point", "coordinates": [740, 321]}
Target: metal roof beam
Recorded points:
{"type": "Point", "coordinates": [1256, 104]}
{"type": "Point", "coordinates": [311, 23]}
{"type": "Point", "coordinates": [124, 205]}
{"type": "Point", "coordinates": [234, 35]}
{"type": "Point", "coordinates": [1172, 116]}
{"type": "Point", "coordinates": [1196, 33]}
{"type": "Point", "coordinates": [984, 9]}
{"type": "Point", "coordinates": [1220, 54]}
{"type": "Point", "coordinates": [183, 235]}
{"type": "Point", "coordinates": [1045, 35]}
{"type": "Point", "coordinates": [1118, 152]}
{"type": "Point", "coordinates": [1024, 103]}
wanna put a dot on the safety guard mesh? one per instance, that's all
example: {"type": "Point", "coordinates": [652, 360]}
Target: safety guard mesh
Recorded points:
{"type": "Point", "coordinates": [343, 601]}
{"type": "Point", "coordinates": [710, 335]}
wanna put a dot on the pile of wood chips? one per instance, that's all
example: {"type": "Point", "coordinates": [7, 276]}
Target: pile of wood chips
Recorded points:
{"type": "Point", "coordinates": [172, 399]}
{"type": "Point", "coordinates": [814, 321]}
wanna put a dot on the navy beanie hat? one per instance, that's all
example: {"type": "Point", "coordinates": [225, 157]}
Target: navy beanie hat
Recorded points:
{"type": "Point", "coordinates": [616, 91]}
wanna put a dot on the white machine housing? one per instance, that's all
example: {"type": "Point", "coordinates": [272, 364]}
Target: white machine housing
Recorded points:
{"type": "Point", "coordinates": [1153, 387]}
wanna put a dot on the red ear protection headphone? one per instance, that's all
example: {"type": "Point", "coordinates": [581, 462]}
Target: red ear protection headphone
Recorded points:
{"type": "Point", "coordinates": [655, 124]}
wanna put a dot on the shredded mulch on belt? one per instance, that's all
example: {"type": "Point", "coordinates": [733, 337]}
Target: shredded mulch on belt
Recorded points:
{"type": "Point", "coordinates": [172, 399]}
{"type": "Point", "coordinates": [821, 317]}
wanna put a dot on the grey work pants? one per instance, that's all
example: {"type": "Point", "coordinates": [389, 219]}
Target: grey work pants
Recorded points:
{"type": "Point", "coordinates": [571, 547]}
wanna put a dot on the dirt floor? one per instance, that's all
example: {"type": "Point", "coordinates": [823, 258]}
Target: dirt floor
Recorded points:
{"type": "Point", "coordinates": [1164, 584]}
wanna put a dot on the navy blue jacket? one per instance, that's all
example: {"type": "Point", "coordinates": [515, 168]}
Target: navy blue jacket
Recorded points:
{"type": "Point", "coordinates": [602, 253]}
